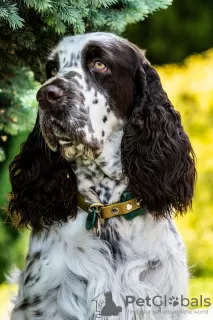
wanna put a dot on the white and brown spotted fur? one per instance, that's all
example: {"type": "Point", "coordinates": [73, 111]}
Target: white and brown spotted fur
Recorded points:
{"type": "Point", "coordinates": [82, 142]}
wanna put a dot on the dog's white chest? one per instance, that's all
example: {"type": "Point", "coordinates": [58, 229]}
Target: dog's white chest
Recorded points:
{"type": "Point", "coordinates": [70, 274]}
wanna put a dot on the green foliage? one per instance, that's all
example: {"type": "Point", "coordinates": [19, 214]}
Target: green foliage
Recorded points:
{"type": "Point", "coordinates": [60, 14]}
{"type": "Point", "coordinates": [18, 106]}
{"type": "Point", "coordinates": [9, 13]}
{"type": "Point", "coordinates": [173, 34]}
{"type": "Point", "coordinates": [2, 155]}
{"type": "Point", "coordinates": [12, 242]}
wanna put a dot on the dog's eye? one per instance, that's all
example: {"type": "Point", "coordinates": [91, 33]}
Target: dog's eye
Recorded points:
{"type": "Point", "coordinates": [51, 68]}
{"type": "Point", "coordinates": [53, 72]}
{"type": "Point", "coordinates": [100, 66]}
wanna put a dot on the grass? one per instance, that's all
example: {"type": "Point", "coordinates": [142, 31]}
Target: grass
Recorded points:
{"type": "Point", "coordinates": [197, 287]}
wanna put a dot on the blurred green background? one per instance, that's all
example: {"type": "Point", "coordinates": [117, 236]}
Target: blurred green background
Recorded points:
{"type": "Point", "coordinates": [179, 43]}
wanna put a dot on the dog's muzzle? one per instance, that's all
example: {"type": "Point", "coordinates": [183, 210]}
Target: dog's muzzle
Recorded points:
{"type": "Point", "coordinates": [61, 122]}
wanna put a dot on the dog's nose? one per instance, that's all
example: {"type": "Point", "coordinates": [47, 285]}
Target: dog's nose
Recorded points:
{"type": "Point", "coordinates": [49, 94]}
{"type": "Point", "coordinates": [53, 92]}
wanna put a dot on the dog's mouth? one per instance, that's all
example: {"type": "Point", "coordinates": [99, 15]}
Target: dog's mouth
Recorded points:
{"type": "Point", "coordinates": [67, 138]}
{"type": "Point", "coordinates": [70, 145]}
{"type": "Point", "coordinates": [73, 149]}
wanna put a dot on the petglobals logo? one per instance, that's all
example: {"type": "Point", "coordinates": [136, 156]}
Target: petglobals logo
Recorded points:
{"type": "Point", "coordinates": [159, 301]}
{"type": "Point", "coordinates": [105, 306]}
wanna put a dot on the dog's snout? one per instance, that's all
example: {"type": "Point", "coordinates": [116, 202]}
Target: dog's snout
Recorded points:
{"type": "Point", "coordinates": [50, 94]}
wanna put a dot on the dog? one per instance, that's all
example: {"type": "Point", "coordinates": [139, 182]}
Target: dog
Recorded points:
{"type": "Point", "coordinates": [98, 181]}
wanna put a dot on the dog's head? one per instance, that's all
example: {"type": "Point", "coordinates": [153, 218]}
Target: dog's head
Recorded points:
{"type": "Point", "coordinates": [89, 94]}
{"type": "Point", "coordinates": [98, 84]}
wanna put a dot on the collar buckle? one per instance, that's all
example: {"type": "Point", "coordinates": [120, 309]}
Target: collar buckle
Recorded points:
{"type": "Point", "coordinates": [97, 206]}
{"type": "Point", "coordinates": [94, 218]}
{"type": "Point", "coordinates": [97, 223]}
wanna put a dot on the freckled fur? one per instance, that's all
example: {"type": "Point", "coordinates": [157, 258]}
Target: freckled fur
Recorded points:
{"type": "Point", "coordinates": [144, 149]}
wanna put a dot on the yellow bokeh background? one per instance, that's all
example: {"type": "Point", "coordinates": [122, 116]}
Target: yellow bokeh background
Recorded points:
{"type": "Point", "coordinates": [190, 88]}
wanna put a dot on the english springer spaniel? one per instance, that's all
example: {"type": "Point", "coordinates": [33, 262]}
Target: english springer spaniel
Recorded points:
{"type": "Point", "coordinates": [98, 181]}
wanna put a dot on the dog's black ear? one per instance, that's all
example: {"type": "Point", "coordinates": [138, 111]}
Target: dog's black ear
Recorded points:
{"type": "Point", "coordinates": [157, 156]}
{"type": "Point", "coordinates": [43, 185]}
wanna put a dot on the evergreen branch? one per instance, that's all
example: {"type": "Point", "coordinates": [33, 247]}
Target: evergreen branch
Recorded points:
{"type": "Point", "coordinates": [9, 13]}
{"type": "Point", "coordinates": [157, 4]}
{"type": "Point", "coordinates": [39, 5]}
{"type": "Point", "coordinates": [2, 155]}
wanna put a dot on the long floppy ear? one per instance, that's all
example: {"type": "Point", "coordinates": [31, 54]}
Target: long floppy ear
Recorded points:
{"type": "Point", "coordinates": [43, 185]}
{"type": "Point", "coordinates": [157, 156]}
